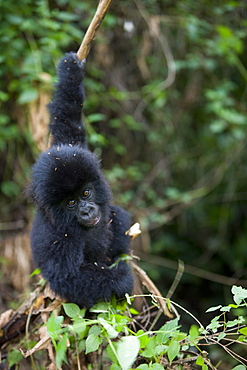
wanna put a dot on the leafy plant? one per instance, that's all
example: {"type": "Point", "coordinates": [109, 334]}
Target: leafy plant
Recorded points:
{"type": "Point", "coordinates": [110, 331]}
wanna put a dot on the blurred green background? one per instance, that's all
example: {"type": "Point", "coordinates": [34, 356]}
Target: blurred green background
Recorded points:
{"type": "Point", "coordinates": [166, 110]}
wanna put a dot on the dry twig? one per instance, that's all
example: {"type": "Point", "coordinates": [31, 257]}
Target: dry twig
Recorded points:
{"type": "Point", "coordinates": [147, 282]}
{"type": "Point", "coordinates": [92, 29]}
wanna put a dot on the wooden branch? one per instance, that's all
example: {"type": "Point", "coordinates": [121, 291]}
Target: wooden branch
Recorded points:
{"type": "Point", "coordinates": [147, 282]}
{"type": "Point", "coordinates": [92, 29]}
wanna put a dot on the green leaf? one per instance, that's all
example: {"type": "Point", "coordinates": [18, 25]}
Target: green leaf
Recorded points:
{"type": "Point", "coordinates": [214, 325]}
{"type": "Point", "coordinates": [143, 338]}
{"type": "Point", "coordinates": [218, 126]}
{"type": "Point", "coordinates": [115, 367]}
{"type": "Point", "coordinates": [66, 17]}
{"type": "Point", "coordinates": [10, 188]}
{"type": "Point", "coordinates": [111, 350]}
{"type": "Point", "coordinates": [221, 336]}
{"type": "Point", "coordinates": [239, 294]}
{"type": "Point", "coordinates": [160, 349]}
{"type": "Point", "coordinates": [80, 328]}
{"type": "Point", "coordinates": [112, 333]}
{"type": "Point", "coordinates": [200, 361]}
{"type": "Point", "coordinates": [173, 350]}
{"type": "Point", "coordinates": [226, 309]}
{"type": "Point", "coordinates": [28, 95]}
{"type": "Point", "coordinates": [95, 329]}
{"type": "Point", "coordinates": [14, 357]}
{"type": "Point", "coordinates": [242, 338]}
{"type": "Point", "coordinates": [156, 367]}
{"type": "Point", "coordinates": [166, 331]}
{"type": "Point", "coordinates": [143, 367]}
{"type": "Point", "coordinates": [243, 331]}
{"type": "Point", "coordinates": [61, 350]}
{"type": "Point", "coordinates": [172, 193]}
{"type": "Point", "coordinates": [96, 117]}
{"type": "Point", "coordinates": [239, 367]}
{"type": "Point", "coordinates": [101, 307]}
{"type": "Point", "coordinates": [224, 31]}
{"type": "Point", "coordinates": [82, 313]}
{"type": "Point", "coordinates": [133, 311]}
{"type": "Point", "coordinates": [194, 333]}
{"type": "Point", "coordinates": [150, 348]}
{"type": "Point", "coordinates": [71, 309]}
{"type": "Point", "coordinates": [127, 351]}
{"type": "Point", "coordinates": [168, 303]}
{"type": "Point", "coordinates": [235, 322]}
{"type": "Point", "coordinates": [211, 309]}
{"type": "Point", "coordinates": [233, 305]}
{"type": "Point", "coordinates": [238, 290]}
{"type": "Point", "coordinates": [131, 122]}
{"type": "Point", "coordinates": [35, 272]}
{"type": "Point", "coordinates": [3, 96]}
{"type": "Point", "coordinates": [122, 257]}
{"type": "Point", "coordinates": [93, 342]}
{"type": "Point", "coordinates": [14, 19]}
{"type": "Point", "coordinates": [54, 326]}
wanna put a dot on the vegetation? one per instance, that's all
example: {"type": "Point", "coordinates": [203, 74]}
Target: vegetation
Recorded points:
{"type": "Point", "coordinates": [166, 111]}
{"type": "Point", "coordinates": [115, 336]}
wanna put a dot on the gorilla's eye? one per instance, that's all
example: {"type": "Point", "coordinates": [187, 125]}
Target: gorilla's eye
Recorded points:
{"type": "Point", "coordinates": [71, 203]}
{"type": "Point", "coordinates": [86, 193]}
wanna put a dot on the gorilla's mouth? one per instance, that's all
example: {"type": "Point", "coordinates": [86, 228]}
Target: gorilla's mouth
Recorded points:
{"type": "Point", "coordinates": [94, 222]}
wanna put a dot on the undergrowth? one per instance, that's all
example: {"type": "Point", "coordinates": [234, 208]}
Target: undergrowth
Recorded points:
{"type": "Point", "coordinates": [116, 336]}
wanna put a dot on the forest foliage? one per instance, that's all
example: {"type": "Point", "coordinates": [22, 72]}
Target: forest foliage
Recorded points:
{"type": "Point", "coordinates": [166, 110]}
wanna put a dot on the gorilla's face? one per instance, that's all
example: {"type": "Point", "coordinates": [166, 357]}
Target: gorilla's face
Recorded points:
{"type": "Point", "coordinates": [82, 205]}
{"type": "Point", "coordinates": [68, 186]}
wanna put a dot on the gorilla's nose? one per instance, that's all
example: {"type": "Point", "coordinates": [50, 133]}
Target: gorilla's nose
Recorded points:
{"type": "Point", "coordinates": [86, 208]}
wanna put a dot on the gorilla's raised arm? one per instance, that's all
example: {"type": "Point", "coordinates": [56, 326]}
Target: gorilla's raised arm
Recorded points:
{"type": "Point", "coordinates": [65, 109]}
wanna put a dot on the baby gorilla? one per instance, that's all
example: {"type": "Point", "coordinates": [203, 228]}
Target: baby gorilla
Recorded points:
{"type": "Point", "coordinates": [77, 235]}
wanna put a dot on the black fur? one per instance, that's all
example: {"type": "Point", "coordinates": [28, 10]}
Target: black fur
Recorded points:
{"type": "Point", "coordinates": [76, 259]}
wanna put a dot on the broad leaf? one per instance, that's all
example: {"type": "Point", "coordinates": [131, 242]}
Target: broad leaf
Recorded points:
{"type": "Point", "coordinates": [173, 350]}
{"type": "Point", "coordinates": [61, 351]}
{"type": "Point", "coordinates": [92, 343]}
{"type": "Point", "coordinates": [71, 309]}
{"type": "Point", "coordinates": [127, 351]}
